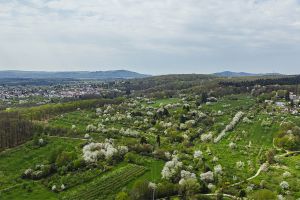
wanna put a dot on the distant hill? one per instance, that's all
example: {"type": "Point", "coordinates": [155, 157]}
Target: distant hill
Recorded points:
{"type": "Point", "coordinates": [242, 74]}
{"type": "Point", "coordinates": [102, 75]}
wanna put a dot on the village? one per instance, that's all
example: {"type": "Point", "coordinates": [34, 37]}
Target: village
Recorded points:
{"type": "Point", "coordinates": [289, 103]}
{"type": "Point", "coordinates": [39, 95]}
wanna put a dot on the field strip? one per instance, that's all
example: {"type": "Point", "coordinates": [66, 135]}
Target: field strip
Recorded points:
{"type": "Point", "coordinates": [101, 187]}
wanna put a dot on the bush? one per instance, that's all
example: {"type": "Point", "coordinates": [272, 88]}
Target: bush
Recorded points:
{"type": "Point", "coordinates": [264, 195]}
{"type": "Point", "coordinates": [141, 190]}
{"type": "Point", "coordinates": [65, 158]}
{"type": "Point", "coordinates": [176, 137]}
{"type": "Point", "coordinates": [62, 170]}
{"type": "Point", "coordinates": [122, 196]}
{"type": "Point", "coordinates": [54, 153]}
{"type": "Point", "coordinates": [189, 187]}
{"type": "Point", "coordinates": [270, 156]}
{"type": "Point", "coordinates": [160, 154]}
{"type": "Point", "coordinates": [135, 159]}
{"type": "Point", "coordinates": [166, 189]}
{"type": "Point", "coordinates": [79, 163]}
{"type": "Point", "coordinates": [288, 142]}
{"type": "Point", "coordinates": [144, 149]}
{"type": "Point", "coordinates": [40, 171]}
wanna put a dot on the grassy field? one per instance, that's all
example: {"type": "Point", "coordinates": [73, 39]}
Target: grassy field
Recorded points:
{"type": "Point", "coordinates": [15, 161]}
{"type": "Point", "coordinates": [80, 118]}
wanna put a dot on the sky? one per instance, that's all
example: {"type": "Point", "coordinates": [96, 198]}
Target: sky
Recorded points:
{"type": "Point", "coordinates": [151, 36]}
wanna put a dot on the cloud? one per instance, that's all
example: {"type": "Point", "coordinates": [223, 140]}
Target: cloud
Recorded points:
{"type": "Point", "coordinates": [157, 36]}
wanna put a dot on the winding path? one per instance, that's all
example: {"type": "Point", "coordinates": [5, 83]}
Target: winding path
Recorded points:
{"type": "Point", "coordinates": [260, 169]}
{"type": "Point", "coordinates": [287, 152]}
{"type": "Point", "coordinates": [262, 166]}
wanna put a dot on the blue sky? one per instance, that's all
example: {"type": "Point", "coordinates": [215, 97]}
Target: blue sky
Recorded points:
{"type": "Point", "coordinates": [151, 36]}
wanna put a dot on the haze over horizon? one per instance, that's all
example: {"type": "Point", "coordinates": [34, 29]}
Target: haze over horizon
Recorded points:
{"type": "Point", "coordinates": [114, 70]}
{"type": "Point", "coordinates": [151, 37]}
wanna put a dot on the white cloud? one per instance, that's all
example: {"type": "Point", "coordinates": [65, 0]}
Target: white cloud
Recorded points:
{"type": "Point", "coordinates": [161, 33]}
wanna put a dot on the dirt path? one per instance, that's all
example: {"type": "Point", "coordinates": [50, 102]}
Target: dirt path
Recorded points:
{"type": "Point", "coordinates": [70, 138]}
{"type": "Point", "coordinates": [224, 195]}
{"type": "Point", "coordinates": [262, 166]}
{"type": "Point", "coordinates": [260, 169]}
{"type": "Point", "coordinates": [287, 152]}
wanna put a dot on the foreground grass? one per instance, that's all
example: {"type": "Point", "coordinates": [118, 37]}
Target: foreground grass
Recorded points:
{"type": "Point", "coordinates": [15, 161]}
{"type": "Point", "coordinates": [28, 191]}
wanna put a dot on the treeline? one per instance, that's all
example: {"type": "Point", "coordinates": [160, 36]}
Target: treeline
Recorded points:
{"type": "Point", "coordinates": [167, 82]}
{"type": "Point", "coordinates": [49, 110]}
{"type": "Point", "coordinates": [168, 85]}
{"type": "Point", "coordinates": [290, 80]}
{"type": "Point", "coordinates": [14, 130]}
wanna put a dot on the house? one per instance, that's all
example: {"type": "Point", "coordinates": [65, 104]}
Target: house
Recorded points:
{"type": "Point", "coordinates": [269, 102]}
{"type": "Point", "coordinates": [293, 96]}
{"type": "Point", "coordinates": [280, 104]}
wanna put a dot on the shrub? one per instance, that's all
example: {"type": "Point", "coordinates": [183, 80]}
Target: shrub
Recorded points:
{"type": "Point", "coordinates": [54, 153]}
{"type": "Point", "coordinates": [65, 158]}
{"type": "Point", "coordinates": [207, 177]}
{"type": "Point", "coordinates": [270, 156]}
{"type": "Point", "coordinates": [135, 159]}
{"type": "Point", "coordinates": [78, 163]}
{"type": "Point", "coordinates": [264, 195]}
{"type": "Point", "coordinates": [40, 171]}
{"type": "Point", "coordinates": [176, 137]}
{"type": "Point", "coordinates": [141, 190]}
{"type": "Point", "coordinates": [189, 187]}
{"type": "Point", "coordinates": [144, 149]}
{"type": "Point", "coordinates": [242, 193]}
{"type": "Point", "coordinates": [160, 154]}
{"type": "Point", "coordinates": [122, 196]}
{"type": "Point", "coordinates": [166, 189]}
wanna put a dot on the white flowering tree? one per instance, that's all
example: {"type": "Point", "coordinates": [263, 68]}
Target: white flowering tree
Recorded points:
{"type": "Point", "coordinates": [284, 185]}
{"type": "Point", "coordinates": [240, 164]}
{"type": "Point", "coordinates": [207, 177]}
{"type": "Point", "coordinates": [206, 137]}
{"type": "Point", "coordinates": [218, 169]}
{"type": "Point", "coordinates": [198, 155]}
{"type": "Point", "coordinates": [91, 128]}
{"type": "Point", "coordinates": [94, 151]}
{"type": "Point", "coordinates": [171, 170]}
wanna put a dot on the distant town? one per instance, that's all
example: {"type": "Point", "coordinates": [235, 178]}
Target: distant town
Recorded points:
{"type": "Point", "coordinates": [39, 95]}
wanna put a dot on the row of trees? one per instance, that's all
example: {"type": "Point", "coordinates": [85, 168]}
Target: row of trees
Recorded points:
{"type": "Point", "coordinates": [14, 130]}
